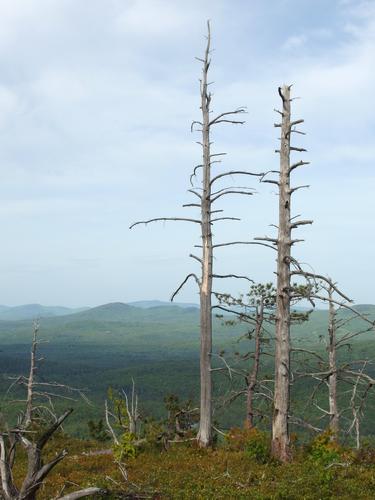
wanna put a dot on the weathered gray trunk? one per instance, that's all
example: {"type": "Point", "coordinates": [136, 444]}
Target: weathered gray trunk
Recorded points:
{"type": "Point", "coordinates": [205, 425]}
{"type": "Point", "coordinates": [30, 381]}
{"type": "Point", "coordinates": [253, 379]}
{"type": "Point", "coordinates": [332, 379]}
{"type": "Point", "coordinates": [280, 431]}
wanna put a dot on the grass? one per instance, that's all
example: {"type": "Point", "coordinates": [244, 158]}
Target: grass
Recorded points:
{"type": "Point", "coordinates": [185, 472]}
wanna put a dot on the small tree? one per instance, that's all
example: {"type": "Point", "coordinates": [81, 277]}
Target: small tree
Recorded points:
{"type": "Point", "coordinates": [256, 310]}
{"type": "Point", "coordinates": [122, 414]}
{"type": "Point", "coordinates": [181, 418]}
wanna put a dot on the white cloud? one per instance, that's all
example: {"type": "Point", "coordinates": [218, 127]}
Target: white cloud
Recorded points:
{"type": "Point", "coordinates": [294, 42]}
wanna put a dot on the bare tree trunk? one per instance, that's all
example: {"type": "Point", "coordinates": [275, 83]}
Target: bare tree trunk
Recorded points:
{"type": "Point", "coordinates": [30, 381]}
{"type": "Point", "coordinates": [252, 380]}
{"type": "Point", "coordinates": [205, 425]}
{"type": "Point", "coordinates": [332, 379]}
{"type": "Point", "coordinates": [280, 431]}
{"type": "Point", "coordinates": [206, 198]}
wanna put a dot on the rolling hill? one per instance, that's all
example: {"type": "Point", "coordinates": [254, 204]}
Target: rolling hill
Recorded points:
{"type": "Point", "coordinates": [157, 346]}
{"type": "Point", "coordinates": [34, 311]}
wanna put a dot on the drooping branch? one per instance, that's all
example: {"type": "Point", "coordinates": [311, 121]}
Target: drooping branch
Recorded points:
{"type": "Point", "coordinates": [191, 275]}
{"type": "Point", "coordinates": [298, 164]}
{"type": "Point", "coordinates": [234, 172]}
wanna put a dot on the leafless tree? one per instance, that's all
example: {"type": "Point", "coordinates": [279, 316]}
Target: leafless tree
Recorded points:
{"type": "Point", "coordinates": [332, 366]}
{"type": "Point", "coordinates": [122, 413]}
{"type": "Point", "coordinates": [207, 195]}
{"type": "Point", "coordinates": [32, 433]}
{"type": "Point", "coordinates": [341, 330]}
{"type": "Point", "coordinates": [40, 395]}
{"type": "Point", "coordinates": [283, 243]}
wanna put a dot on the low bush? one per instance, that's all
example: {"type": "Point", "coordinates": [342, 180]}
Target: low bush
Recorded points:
{"type": "Point", "coordinates": [126, 448]}
{"type": "Point", "coordinates": [326, 450]}
{"type": "Point", "coordinates": [255, 443]}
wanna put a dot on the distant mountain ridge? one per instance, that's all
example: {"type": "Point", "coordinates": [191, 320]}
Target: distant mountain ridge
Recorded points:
{"type": "Point", "coordinates": [146, 304]}
{"type": "Point", "coordinates": [34, 311]}
{"type": "Point", "coordinates": [116, 311]}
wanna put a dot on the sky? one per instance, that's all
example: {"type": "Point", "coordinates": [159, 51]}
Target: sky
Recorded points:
{"type": "Point", "coordinates": [96, 101]}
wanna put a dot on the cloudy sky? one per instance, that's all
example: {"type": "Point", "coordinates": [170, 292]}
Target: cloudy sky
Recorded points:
{"type": "Point", "coordinates": [96, 100]}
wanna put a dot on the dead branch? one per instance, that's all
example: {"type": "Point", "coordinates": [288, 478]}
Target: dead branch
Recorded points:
{"type": "Point", "coordinates": [218, 245]}
{"type": "Point", "coordinates": [164, 219]}
{"type": "Point", "coordinates": [232, 276]}
{"type": "Point", "coordinates": [218, 119]}
{"type": "Point", "coordinates": [230, 191]}
{"type": "Point", "coordinates": [82, 493]}
{"type": "Point", "coordinates": [224, 218]}
{"type": "Point", "coordinates": [233, 172]}
{"type": "Point", "coordinates": [191, 275]}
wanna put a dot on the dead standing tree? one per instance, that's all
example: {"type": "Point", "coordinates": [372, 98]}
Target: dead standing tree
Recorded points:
{"type": "Point", "coordinates": [332, 379]}
{"type": "Point", "coordinates": [207, 197]}
{"type": "Point", "coordinates": [283, 244]}
{"type": "Point", "coordinates": [331, 371]}
{"type": "Point", "coordinates": [33, 432]}
{"type": "Point", "coordinates": [39, 404]}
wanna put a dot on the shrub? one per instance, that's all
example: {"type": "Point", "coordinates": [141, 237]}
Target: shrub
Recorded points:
{"type": "Point", "coordinates": [125, 449]}
{"type": "Point", "coordinates": [365, 455]}
{"type": "Point", "coordinates": [97, 430]}
{"type": "Point", "coordinates": [324, 450]}
{"type": "Point", "coordinates": [253, 442]}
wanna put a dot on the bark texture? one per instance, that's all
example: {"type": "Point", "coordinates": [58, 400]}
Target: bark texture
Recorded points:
{"type": "Point", "coordinates": [280, 431]}
{"type": "Point", "coordinates": [205, 424]}
{"type": "Point", "coordinates": [332, 366]}
{"type": "Point", "coordinates": [30, 381]}
{"type": "Point", "coordinates": [205, 198]}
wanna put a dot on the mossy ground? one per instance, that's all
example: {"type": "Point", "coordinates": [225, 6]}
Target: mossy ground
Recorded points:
{"type": "Point", "coordinates": [185, 472]}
